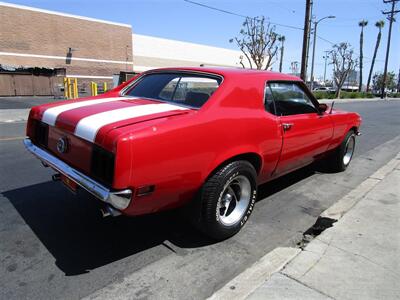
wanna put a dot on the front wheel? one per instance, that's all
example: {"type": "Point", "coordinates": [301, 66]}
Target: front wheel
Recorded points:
{"type": "Point", "coordinates": [227, 200]}
{"type": "Point", "coordinates": [342, 156]}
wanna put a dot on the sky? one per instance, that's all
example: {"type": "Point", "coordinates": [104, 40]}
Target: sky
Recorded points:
{"type": "Point", "coordinates": [180, 20]}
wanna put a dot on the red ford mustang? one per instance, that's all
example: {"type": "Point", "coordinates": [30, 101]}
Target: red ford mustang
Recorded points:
{"type": "Point", "coordinates": [200, 137]}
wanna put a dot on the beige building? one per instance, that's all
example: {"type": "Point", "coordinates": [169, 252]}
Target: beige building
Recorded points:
{"type": "Point", "coordinates": [80, 47]}
{"type": "Point", "coordinates": [38, 48]}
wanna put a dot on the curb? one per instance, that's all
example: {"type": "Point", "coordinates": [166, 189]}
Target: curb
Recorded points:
{"type": "Point", "coordinates": [248, 281]}
{"type": "Point", "coordinates": [337, 210]}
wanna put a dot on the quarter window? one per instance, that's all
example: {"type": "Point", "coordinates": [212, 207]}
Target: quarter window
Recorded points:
{"type": "Point", "coordinates": [269, 100]}
{"type": "Point", "coordinates": [290, 99]}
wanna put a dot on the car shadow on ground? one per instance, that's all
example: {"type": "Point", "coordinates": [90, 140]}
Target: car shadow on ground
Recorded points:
{"type": "Point", "coordinates": [80, 239]}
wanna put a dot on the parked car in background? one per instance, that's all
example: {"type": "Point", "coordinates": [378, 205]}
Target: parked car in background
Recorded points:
{"type": "Point", "coordinates": [203, 138]}
{"type": "Point", "coordinates": [324, 89]}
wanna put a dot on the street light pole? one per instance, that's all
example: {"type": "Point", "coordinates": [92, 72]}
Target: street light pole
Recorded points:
{"type": "Point", "coordinates": [313, 54]}
{"type": "Point", "coordinates": [309, 37]}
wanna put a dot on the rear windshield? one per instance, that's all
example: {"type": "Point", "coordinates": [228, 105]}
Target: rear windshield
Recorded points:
{"type": "Point", "coordinates": [191, 90]}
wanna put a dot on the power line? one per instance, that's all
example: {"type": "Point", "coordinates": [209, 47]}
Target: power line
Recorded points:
{"type": "Point", "coordinates": [239, 15]}
{"type": "Point", "coordinates": [218, 9]}
{"type": "Point", "coordinates": [325, 40]}
{"type": "Point", "coordinates": [274, 23]}
{"type": "Point", "coordinates": [333, 43]}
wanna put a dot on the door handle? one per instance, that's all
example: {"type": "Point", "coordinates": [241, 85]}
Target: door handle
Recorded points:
{"type": "Point", "coordinates": [287, 126]}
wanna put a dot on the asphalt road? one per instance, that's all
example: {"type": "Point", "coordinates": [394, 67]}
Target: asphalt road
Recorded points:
{"type": "Point", "coordinates": [55, 245]}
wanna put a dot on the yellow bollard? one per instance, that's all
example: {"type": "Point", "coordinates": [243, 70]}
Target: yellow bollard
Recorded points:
{"type": "Point", "coordinates": [65, 88]}
{"type": "Point", "coordinates": [69, 88]}
{"type": "Point", "coordinates": [76, 95]}
{"type": "Point", "coordinates": [105, 87]}
{"type": "Point", "coordinates": [94, 88]}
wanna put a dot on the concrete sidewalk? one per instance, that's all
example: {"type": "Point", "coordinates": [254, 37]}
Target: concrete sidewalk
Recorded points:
{"type": "Point", "coordinates": [357, 258]}
{"type": "Point", "coordinates": [14, 115]}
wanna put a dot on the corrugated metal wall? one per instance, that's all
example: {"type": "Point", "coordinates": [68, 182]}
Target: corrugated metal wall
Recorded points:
{"type": "Point", "coordinates": [27, 85]}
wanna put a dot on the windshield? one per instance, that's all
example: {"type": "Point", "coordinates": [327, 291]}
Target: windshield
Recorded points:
{"type": "Point", "coordinates": [180, 88]}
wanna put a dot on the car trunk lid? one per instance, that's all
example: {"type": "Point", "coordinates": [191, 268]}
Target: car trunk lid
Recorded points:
{"type": "Point", "coordinates": [90, 120]}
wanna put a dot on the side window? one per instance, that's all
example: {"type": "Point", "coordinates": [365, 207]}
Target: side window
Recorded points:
{"type": "Point", "coordinates": [290, 99]}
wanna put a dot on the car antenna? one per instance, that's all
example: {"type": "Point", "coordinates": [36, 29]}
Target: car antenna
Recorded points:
{"type": "Point", "coordinates": [333, 103]}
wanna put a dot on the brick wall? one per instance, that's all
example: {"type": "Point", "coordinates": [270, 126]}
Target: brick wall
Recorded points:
{"type": "Point", "coordinates": [28, 32]}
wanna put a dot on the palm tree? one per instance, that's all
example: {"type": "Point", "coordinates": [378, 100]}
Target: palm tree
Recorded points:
{"type": "Point", "coordinates": [282, 40]}
{"type": "Point", "coordinates": [362, 24]}
{"type": "Point", "coordinates": [379, 25]}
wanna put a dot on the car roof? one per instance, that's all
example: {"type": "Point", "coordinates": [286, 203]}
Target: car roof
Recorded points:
{"type": "Point", "coordinates": [230, 72]}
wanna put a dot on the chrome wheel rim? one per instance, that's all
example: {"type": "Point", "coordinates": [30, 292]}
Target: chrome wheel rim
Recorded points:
{"type": "Point", "coordinates": [235, 199]}
{"type": "Point", "coordinates": [349, 150]}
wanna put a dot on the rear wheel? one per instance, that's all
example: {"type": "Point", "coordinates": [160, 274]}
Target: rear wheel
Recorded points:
{"type": "Point", "coordinates": [342, 156]}
{"type": "Point", "coordinates": [227, 200]}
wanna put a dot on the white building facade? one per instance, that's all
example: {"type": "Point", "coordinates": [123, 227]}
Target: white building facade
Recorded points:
{"type": "Point", "coordinates": [152, 52]}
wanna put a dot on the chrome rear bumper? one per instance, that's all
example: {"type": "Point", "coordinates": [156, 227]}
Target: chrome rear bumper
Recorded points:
{"type": "Point", "coordinates": [96, 189]}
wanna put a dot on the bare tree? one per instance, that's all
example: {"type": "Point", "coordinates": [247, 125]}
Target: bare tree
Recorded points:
{"type": "Point", "coordinates": [258, 42]}
{"type": "Point", "coordinates": [343, 63]}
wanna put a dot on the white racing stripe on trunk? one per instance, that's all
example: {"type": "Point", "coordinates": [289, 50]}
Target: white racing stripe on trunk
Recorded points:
{"type": "Point", "coordinates": [88, 127]}
{"type": "Point", "coordinates": [50, 115]}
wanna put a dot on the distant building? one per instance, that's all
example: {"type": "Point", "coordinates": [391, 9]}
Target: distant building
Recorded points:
{"type": "Point", "coordinates": [154, 52]}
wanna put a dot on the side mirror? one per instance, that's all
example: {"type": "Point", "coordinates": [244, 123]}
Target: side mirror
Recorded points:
{"type": "Point", "coordinates": [323, 107]}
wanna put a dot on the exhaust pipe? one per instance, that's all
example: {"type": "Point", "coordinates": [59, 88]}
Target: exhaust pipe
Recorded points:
{"type": "Point", "coordinates": [56, 177]}
{"type": "Point", "coordinates": [108, 211]}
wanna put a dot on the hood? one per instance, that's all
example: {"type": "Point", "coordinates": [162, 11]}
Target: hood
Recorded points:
{"type": "Point", "coordinates": [91, 119]}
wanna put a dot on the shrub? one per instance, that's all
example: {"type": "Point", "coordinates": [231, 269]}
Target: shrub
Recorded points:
{"type": "Point", "coordinates": [395, 95]}
{"type": "Point", "coordinates": [324, 95]}
{"type": "Point", "coordinates": [346, 95]}
{"type": "Point", "coordinates": [355, 95]}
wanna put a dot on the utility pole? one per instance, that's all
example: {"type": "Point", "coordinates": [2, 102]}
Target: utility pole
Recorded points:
{"type": "Point", "coordinates": [282, 40]}
{"type": "Point", "coordinates": [303, 72]}
{"type": "Point", "coordinates": [398, 82]}
{"type": "Point", "coordinates": [392, 12]}
{"type": "Point", "coordinates": [326, 59]}
{"type": "Point", "coordinates": [309, 36]}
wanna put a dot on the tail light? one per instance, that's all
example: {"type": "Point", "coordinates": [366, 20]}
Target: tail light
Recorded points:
{"type": "Point", "coordinates": [40, 133]}
{"type": "Point", "coordinates": [102, 165]}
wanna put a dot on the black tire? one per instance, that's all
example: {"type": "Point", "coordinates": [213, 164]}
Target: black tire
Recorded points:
{"type": "Point", "coordinates": [337, 160]}
{"type": "Point", "coordinates": [216, 189]}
